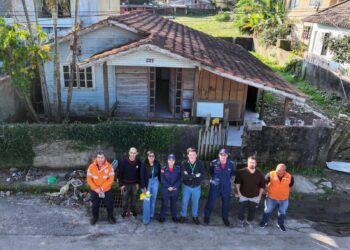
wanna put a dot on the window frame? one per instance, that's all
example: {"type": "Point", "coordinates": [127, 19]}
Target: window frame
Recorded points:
{"type": "Point", "coordinates": [78, 77]}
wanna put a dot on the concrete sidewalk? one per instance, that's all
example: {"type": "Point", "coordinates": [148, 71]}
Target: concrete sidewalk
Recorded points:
{"type": "Point", "coordinates": [26, 222]}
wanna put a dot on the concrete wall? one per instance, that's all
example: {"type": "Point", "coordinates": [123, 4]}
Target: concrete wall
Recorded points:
{"type": "Point", "coordinates": [326, 80]}
{"type": "Point", "coordinates": [11, 106]}
{"type": "Point", "coordinates": [294, 146]}
{"type": "Point", "coordinates": [281, 56]}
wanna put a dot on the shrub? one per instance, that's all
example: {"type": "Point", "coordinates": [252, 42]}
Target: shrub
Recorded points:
{"type": "Point", "coordinates": [222, 17]}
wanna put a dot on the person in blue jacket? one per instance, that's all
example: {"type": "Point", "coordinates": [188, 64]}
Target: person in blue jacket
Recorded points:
{"type": "Point", "coordinates": [221, 171]}
{"type": "Point", "coordinates": [170, 178]}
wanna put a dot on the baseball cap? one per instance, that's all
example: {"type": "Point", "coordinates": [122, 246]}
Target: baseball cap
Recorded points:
{"type": "Point", "coordinates": [171, 156]}
{"type": "Point", "coordinates": [224, 151]}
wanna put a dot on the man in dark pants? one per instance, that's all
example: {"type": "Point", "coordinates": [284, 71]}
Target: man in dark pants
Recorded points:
{"type": "Point", "coordinates": [221, 171]}
{"type": "Point", "coordinates": [129, 181]}
{"type": "Point", "coordinates": [250, 184]}
{"type": "Point", "coordinates": [170, 177]}
{"type": "Point", "coordinates": [100, 177]}
{"type": "Point", "coordinates": [192, 173]}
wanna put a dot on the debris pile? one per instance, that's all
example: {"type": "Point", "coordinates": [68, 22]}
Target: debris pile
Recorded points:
{"type": "Point", "coordinates": [15, 175]}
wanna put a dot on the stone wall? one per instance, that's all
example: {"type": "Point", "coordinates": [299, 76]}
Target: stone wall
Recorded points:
{"type": "Point", "coordinates": [11, 107]}
{"type": "Point", "coordinates": [294, 146]}
{"type": "Point", "coordinates": [326, 80]}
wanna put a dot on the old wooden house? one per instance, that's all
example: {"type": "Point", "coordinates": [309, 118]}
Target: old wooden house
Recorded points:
{"type": "Point", "coordinates": [144, 65]}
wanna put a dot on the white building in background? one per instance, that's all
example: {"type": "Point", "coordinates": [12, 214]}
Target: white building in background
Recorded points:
{"type": "Point", "coordinates": [90, 11]}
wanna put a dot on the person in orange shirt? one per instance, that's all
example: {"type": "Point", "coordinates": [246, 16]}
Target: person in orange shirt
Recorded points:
{"type": "Point", "coordinates": [278, 188]}
{"type": "Point", "coordinates": [100, 177]}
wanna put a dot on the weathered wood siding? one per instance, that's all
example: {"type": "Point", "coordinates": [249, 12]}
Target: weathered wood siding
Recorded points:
{"type": "Point", "coordinates": [215, 88]}
{"type": "Point", "coordinates": [90, 101]}
{"type": "Point", "coordinates": [132, 90]}
{"type": "Point", "coordinates": [188, 78]}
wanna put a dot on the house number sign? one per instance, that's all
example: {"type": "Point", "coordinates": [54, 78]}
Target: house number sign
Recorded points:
{"type": "Point", "coordinates": [149, 60]}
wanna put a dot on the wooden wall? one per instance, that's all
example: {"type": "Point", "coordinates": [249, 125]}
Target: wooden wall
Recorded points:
{"type": "Point", "coordinates": [132, 90]}
{"type": "Point", "coordinates": [188, 78]}
{"type": "Point", "coordinates": [215, 88]}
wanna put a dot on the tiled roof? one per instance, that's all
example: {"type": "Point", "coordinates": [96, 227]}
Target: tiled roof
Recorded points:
{"type": "Point", "coordinates": [215, 53]}
{"type": "Point", "coordinates": [337, 15]}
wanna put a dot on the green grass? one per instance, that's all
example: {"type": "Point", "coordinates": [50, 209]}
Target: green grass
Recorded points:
{"type": "Point", "coordinates": [330, 104]}
{"type": "Point", "coordinates": [209, 25]}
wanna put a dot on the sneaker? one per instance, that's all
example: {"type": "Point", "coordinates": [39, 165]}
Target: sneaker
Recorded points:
{"type": "Point", "coordinates": [161, 220]}
{"type": "Point", "coordinates": [111, 220]}
{"type": "Point", "coordinates": [195, 220]}
{"type": "Point", "coordinates": [281, 227]}
{"type": "Point", "coordinates": [226, 222]}
{"type": "Point", "coordinates": [206, 220]}
{"type": "Point", "coordinates": [124, 214]}
{"type": "Point", "coordinates": [175, 219]}
{"type": "Point", "coordinates": [93, 221]}
{"type": "Point", "coordinates": [262, 224]}
{"type": "Point", "coordinates": [182, 219]}
{"type": "Point", "coordinates": [241, 223]}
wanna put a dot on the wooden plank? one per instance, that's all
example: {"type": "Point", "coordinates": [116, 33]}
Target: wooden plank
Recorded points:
{"type": "Point", "coordinates": [188, 79]}
{"type": "Point", "coordinates": [205, 85]}
{"type": "Point", "coordinates": [226, 89]}
{"type": "Point", "coordinates": [105, 89]}
{"type": "Point", "coordinates": [233, 90]}
{"type": "Point", "coordinates": [199, 142]}
{"type": "Point", "coordinates": [219, 88]}
{"type": "Point", "coordinates": [211, 142]}
{"type": "Point", "coordinates": [131, 70]}
{"type": "Point", "coordinates": [195, 94]}
{"type": "Point", "coordinates": [212, 87]}
{"type": "Point", "coordinates": [244, 102]}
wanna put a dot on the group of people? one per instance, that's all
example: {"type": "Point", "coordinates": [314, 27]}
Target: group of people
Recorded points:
{"type": "Point", "coordinates": [148, 176]}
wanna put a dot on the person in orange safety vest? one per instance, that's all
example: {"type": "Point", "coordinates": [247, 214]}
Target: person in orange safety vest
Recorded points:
{"type": "Point", "coordinates": [279, 183]}
{"type": "Point", "coordinates": [100, 177]}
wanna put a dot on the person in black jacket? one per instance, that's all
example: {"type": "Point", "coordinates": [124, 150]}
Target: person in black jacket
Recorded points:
{"type": "Point", "coordinates": [192, 173]}
{"type": "Point", "coordinates": [129, 181]}
{"type": "Point", "coordinates": [150, 178]}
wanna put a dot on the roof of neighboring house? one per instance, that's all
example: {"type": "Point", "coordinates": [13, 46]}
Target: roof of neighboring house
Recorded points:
{"type": "Point", "coordinates": [214, 54]}
{"type": "Point", "coordinates": [337, 15]}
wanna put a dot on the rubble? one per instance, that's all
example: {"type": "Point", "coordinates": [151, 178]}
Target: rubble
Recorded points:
{"type": "Point", "coordinates": [33, 173]}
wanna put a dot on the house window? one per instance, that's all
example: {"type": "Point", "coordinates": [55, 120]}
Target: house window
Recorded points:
{"type": "Point", "coordinates": [306, 32]}
{"type": "Point", "coordinates": [315, 3]}
{"type": "Point", "coordinates": [293, 4]}
{"type": "Point", "coordinates": [82, 79]}
{"type": "Point", "coordinates": [325, 44]}
{"type": "Point", "coordinates": [64, 9]}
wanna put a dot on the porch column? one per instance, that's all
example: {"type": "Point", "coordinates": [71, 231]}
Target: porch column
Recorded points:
{"type": "Point", "coordinates": [105, 88]}
{"type": "Point", "coordinates": [286, 109]}
{"type": "Point", "coordinates": [195, 94]}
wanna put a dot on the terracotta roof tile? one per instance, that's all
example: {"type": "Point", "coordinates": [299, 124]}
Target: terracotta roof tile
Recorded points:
{"type": "Point", "coordinates": [209, 51]}
{"type": "Point", "coordinates": [337, 15]}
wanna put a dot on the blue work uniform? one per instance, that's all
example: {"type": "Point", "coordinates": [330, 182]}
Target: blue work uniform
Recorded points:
{"type": "Point", "coordinates": [220, 184]}
{"type": "Point", "coordinates": [170, 179]}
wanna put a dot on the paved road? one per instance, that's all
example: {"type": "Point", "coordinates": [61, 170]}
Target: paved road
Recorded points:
{"type": "Point", "coordinates": [26, 222]}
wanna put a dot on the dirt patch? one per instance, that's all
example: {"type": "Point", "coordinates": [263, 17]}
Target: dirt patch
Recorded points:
{"type": "Point", "coordinates": [329, 216]}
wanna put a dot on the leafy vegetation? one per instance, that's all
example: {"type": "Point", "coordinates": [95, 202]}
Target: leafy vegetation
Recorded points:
{"type": "Point", "coordinates": [330, 104]}
{"type": "Point", "coordinates": [340, 48]}
{"type": "Point", "coordinates": [222, 17]}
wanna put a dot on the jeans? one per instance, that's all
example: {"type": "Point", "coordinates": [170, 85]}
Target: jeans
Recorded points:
{"type": "Point", "coordinates": [242, 206]}
{"type": "Point", "coordinates": [270, 205]}
{"type": "Point", "coordinates": [129, 194]}
{"type": "Point", "coordinates": [214, 191]}
{"type": "Point", "coordinates": [96, 201]}
{"type": "Point", "coordinates": [193, 193]}
{"type": "Point", "coordinates": [150, 204]}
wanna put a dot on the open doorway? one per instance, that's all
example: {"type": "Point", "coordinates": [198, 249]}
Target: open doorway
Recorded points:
{"type": "Point", "coordinates": [252, 97]}
{"type": "Point", "coordinates": [162, 92]}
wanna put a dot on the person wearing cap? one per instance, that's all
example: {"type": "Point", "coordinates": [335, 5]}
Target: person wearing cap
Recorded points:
{"type": "Point", "coordinates": [192, 173]}
{"type": "Point", "coordinates": [129, 181]}
{"type": "Point", "coordinates": [100, 177]}
{"type": "Point", "coordinates": [279, 183]}
{"type": "Point", "coordinates": [250, 185]}
{"type": "Point", "coordinates": [221, 170]}
{"type": "Point", "coordinates": [150, 178]}
{"type": "Point", "coordinates": [171, 179]}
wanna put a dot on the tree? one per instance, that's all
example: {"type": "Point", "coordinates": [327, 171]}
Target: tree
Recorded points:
{"type": "Point", "coordinates": [73, 64]}
{"type": "Point", "coordinates": [20, 59]}
{"type": "Point", "coordinates": [340, 48]}
{"type": "Point", "coordinates": [40, 64]}
{"type": "Point", "coordinates": [254, 16]}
